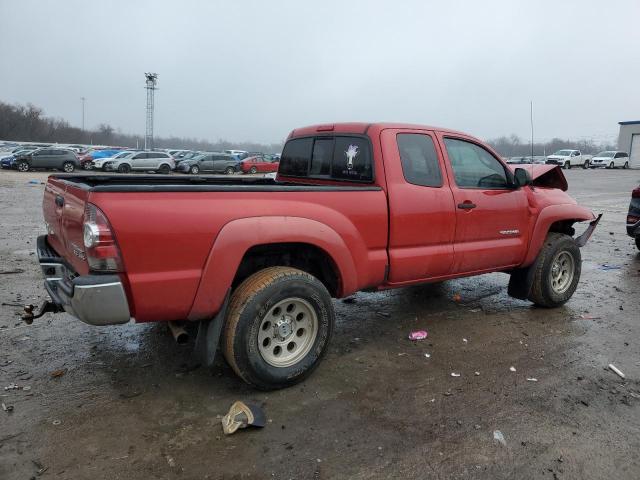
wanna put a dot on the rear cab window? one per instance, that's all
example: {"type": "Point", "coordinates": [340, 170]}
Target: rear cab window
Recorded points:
{"type": "Point", "coordinates": [334, 157]}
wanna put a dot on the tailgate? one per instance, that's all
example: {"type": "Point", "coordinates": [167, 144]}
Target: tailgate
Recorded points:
{"type": "Point", "coordinates": [63, 207]}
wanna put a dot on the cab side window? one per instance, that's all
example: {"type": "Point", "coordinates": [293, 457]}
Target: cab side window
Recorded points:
{"type": "Point", "coordinates": [419, 159]}
{"type": "Point", "coordinates": [474, 167]}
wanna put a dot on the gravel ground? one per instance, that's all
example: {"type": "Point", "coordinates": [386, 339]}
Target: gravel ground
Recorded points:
{"type": "Point", "coordinates": [132, 404]}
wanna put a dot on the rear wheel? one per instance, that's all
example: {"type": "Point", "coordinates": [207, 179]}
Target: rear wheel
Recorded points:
{"type": "Point", "coordinates": [586, 164]}
{"type": "Point", "coordinates": [278, 327]}
{"type": "Point", "coordinates": [626, 165]}
{"type": "Point", "coordinates": [230, 170]}
{"type": "Point", "coordinates": [557, 271]}
{"type": "Point", "coordinates": [68, 167]}
{"type": "Point", "coordinates": [253, 170]}
{"type": "Point", "coordinates": [164, 169]}
{"type": "Point", "coordinates": [124, 168]}
{"type": "Point", "coordinates": [194, 169]}
{"type": "Point", "coordinates": [23, 166]}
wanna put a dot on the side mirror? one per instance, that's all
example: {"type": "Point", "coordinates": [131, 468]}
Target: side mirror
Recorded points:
{"type": "Point", "coordinates": [521, 177]}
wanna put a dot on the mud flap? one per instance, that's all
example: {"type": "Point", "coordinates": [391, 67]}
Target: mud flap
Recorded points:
{"type": "Point", "coordinates": [521, 281]}
{"type": "Point", "coordinates": [208, 335]}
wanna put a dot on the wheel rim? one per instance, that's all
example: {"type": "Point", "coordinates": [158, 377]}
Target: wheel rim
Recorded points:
{"type": "Point", "coordinates": [287, 332]}
{"type": "Point", "coordinates": [562, 271]}
{"type": "Point", "coordinates": [253, 170]}
{"type": "Point", "coordinates": [23, 167]}
{"type": "Point", "coordinates": [68, 167]}
{"type": "Point", "coordinates": [194, 170]}
{"type": "Point", "coordinates": [229, 171]}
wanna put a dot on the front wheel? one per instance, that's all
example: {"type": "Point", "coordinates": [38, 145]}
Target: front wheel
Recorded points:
{"type": "Point", "coordinates": [23, 166]}
{"type": "Point", "coordinates": [194, 170]}
{"type": "Point", "coordinates": [230, 170]}
{"type": "Point", "coordinates": [557, 271]}
{"type": "Point", "coordinates": [568, 165]}
{"type": "Point", "coordinates": [586, 164]}
{"type": "Point", "coordinates": [611, 166]}
{"type": "Point", "coordinates": [253, 170]}
{"type": "Point", "coordinates": [68, 167]}
{"type": "Point", "coordinates": [124, 168]}
{"type": "Point", "coordinates": [278, 327]}
{"type": "Point", "coordinates": [626, 165]}
{"type": "Point", "coordinates": [164, 169]}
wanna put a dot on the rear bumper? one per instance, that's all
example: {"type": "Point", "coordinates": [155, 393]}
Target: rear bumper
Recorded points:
{"type": "Point", "coordinates": [94, 299]}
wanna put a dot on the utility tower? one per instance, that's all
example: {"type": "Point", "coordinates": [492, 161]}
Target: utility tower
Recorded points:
{"type": "Point", "coordinates": [150, 86]}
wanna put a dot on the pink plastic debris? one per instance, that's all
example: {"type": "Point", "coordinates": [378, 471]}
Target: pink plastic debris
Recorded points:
{"type": "Point", "coordinates": [418, 335]}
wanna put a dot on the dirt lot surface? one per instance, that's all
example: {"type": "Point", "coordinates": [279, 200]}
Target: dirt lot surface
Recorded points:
{"type": "Point", "coordinates": [132, 404]}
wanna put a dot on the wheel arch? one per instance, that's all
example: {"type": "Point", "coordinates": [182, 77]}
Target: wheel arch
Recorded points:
{"type": "Point", "coordinates": [247, 245]}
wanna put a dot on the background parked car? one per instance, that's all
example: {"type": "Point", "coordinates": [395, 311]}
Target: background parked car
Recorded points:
{"type": "Point", "coordinates": [209, 162]}
{"type": "Point", "coordinates": [187, 156]}
{"type": "Point", "coordinates": [99, 163]}
{"type": "Point", "coordinates": [260, 164]}
{"type": "Point", "coordinates": [633, 217]}
{"type": "Point", "coordinates": [610, 159]}
{"type": "Point", "coordinates": [48, 158]}
{"type": "Point", "coordinates": [238, 154]}
{"type": "Point", "coordinates": [160, 162]}
{"type": "Point", "coordinates": [569, 158]}
{"type": "Point", "coordinates": [9, 161]}
{"type": "Point", "coordinates": [91, 155]}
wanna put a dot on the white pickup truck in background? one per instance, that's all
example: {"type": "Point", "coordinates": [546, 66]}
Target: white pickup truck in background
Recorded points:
{"type": "Point", "coordinates": [569, 158]}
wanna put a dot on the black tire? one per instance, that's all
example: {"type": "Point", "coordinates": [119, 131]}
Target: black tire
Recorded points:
{"type": "Point", "coordinates": [542, 291]}
{"type": "Point", "coordinates": [611, 166]}
{"type": "Point", "coordinates": [638, 242]}
{"type": "Point", "coordinates": [568, 164]}
{"type": "Point", "coordinates": [230, 170]}
{"type": "Point", "coordinates": [23, 166]}
{"type": "Point", "coordinates": [68, 167]}
{"type": "Point", "coordinates": [586, 164]}
{"type": "Point", "coordinates": [124, 168]}
{"type": "Point", "coordinates": [251, 303]}
{"type": "Point", "coordinates": [194, 170]}
{"type": "Point", "coordinates": [253, 170]}
{"type": "Point", "coordinates": [626, 165]}
{"type": "Point", "coordinates": [164, 169]}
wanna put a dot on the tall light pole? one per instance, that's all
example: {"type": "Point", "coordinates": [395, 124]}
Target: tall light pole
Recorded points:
{"type": "Point", "coordinates": [531, 118]}
{"type": "Point", "coordinates": [83, 99]}
{"type": "Point", "coordinates": [150, 85]}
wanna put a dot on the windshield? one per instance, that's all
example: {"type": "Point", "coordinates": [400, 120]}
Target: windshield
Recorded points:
{"type": "Point", "coordinates": [563, 153]}
{"type": "Point", "coordinates": [606, 154]}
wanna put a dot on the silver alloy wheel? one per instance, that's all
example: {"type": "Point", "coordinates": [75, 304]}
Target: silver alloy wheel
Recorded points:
{"type": "Point", "coordinates": [23, 166]}
{"type": "Point", "coordinates": [68, 167]}
{"type": "Point", "coordinates": [287, 332]}
{"type": "Point", "coordinates": [195, 169]}
{"type": "Point", "coordinates": [562, 271]}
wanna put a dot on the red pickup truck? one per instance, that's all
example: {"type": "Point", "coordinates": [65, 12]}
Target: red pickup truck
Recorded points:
{"type": "Point", "coordinates": [255, 262]}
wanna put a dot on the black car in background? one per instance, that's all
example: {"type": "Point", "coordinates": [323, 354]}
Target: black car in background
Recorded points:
{"type": "Point", "coordinates": [633, 217]}
{"type": "Point", "coordinates": [48, 158]}
{"type": "Point", "coordinates": [209, 162]}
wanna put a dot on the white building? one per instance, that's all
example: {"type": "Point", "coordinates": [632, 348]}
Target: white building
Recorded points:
{"type": "Point", "coordinates": [629, 141]}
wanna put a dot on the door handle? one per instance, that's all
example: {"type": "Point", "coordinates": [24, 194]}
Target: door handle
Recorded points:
{"type": "Point", "coordinates": [467, 205]}
{"type": "Point", "coordinates": [59, 200]}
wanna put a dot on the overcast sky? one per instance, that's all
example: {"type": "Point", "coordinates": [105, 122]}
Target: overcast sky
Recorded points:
{"type": "Point", "coordinates": [253, 70]}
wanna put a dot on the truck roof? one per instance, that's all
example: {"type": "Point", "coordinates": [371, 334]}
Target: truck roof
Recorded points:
{"type": "Point", "coordinates": [362, 128]}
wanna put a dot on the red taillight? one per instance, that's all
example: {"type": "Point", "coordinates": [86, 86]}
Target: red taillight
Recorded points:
{"type": "Point", "coordinates": [100, 244]}
{"type": "Point", "coordinates": [635, 193]}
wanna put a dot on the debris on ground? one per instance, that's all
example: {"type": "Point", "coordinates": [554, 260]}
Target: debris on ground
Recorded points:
{"type": "Point", "coordinates": [12, 386]}
{"type": "Point", "coordinates": [58, 373]}
{"type": "Point", "coordinates": [383, 314]}
{"type": "Point", "coordinates": [427, 355]}
{"type": "Point", "coordinates": [418, 335]}
{"type": "Point", "coordinates": [453, 374]}
{"type": "Point", "coordinates": [615, 370]}
{"type": "Point", "coordinates": [590, 317]}
{"type": "Point", "coordinates": [33, 182]}
{"type": "Point", "coordinates": [242, 415]}
{"type": "Point", "coordinates": [499, 437]}
{"type": "Point", "coordinates": [512, 369]}
{"type": "Point", "coordinates": [56, 422]}
{"type": "Point", "coordinates": [11, 272]}
{"type": "Point", "coordinates": [532, 379]}
{"type": "Point", "coordinates": [7, 408]}
{"type": "Point", "coordinates": [608, 266]}
{"type": "Point", "coordinates": [464, 340]}
{"type": "Point", "coordinates": [477, 374]}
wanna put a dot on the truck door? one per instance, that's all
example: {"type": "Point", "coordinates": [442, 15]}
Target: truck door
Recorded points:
{"type": "Point", "coordinates": [491, 215]}
{"type": "Point", "coordinates": [421, 208]}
